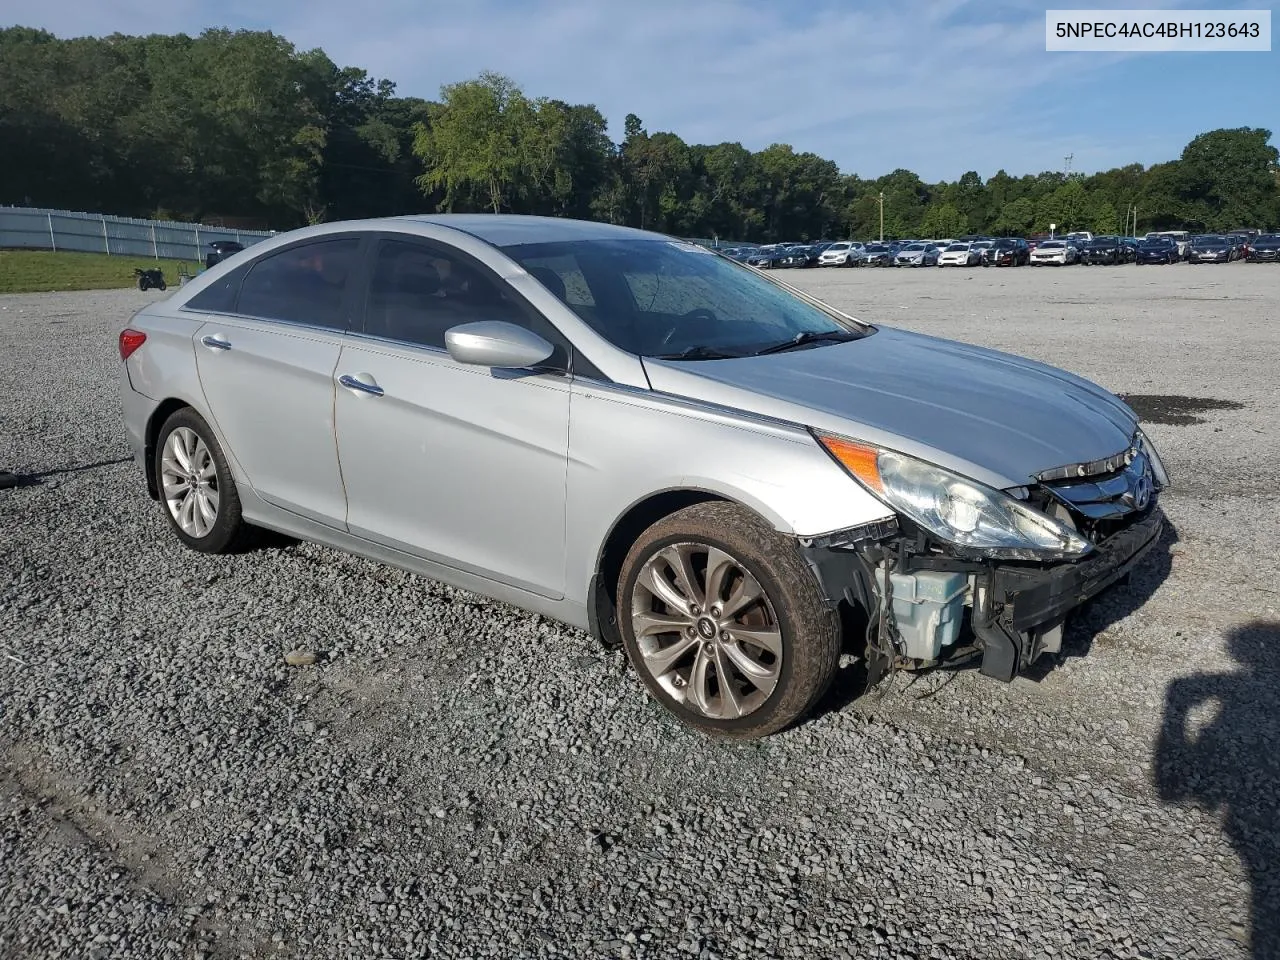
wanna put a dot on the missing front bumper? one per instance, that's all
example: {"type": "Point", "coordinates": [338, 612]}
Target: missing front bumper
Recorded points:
{"type": "Point", "coordinates": [1020, 604]}
{"type": "Point", "coordinates": [1018, 609]}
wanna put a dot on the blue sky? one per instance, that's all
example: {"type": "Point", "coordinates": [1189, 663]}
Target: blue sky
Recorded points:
{"type": "Point", "coordinates": [936, 86]}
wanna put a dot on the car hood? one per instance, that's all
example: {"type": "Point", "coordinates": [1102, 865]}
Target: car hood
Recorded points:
{"type": "Point", "coordinates": [996, 418]}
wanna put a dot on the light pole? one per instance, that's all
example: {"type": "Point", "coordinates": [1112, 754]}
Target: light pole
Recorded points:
{"type": "Point", "coordinates": [881, 200]}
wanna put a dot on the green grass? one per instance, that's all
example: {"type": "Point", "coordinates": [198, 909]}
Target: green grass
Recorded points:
{"type": "Point", "coordinates": [39, 271]}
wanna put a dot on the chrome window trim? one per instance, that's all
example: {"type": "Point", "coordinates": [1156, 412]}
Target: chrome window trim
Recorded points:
{"type": "Point", "coordinates": [295, 324]}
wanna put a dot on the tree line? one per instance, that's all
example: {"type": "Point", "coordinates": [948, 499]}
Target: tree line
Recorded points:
{"type": "Point", "coordinates": [240, 126]}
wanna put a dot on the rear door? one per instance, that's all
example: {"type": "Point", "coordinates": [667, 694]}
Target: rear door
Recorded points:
{"type": "Point", "coordinates": [457, 463]}
{"type": "Point", "coordinates": [267, 365]}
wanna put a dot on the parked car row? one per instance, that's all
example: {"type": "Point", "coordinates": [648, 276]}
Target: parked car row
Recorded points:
{"type": "Point", "coordinates": [1080, 247]}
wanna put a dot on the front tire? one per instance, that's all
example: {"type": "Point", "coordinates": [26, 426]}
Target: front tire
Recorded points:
{"type": "Point", "coordinates": [714, 592]}
{"type": "Point", "coordinates": [196, 486]}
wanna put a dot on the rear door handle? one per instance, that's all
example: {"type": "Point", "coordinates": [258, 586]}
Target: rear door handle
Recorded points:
{"type": "Point", "coordinates": [351, 383]}
{"type": "Point", "coordinates": [216, 343]}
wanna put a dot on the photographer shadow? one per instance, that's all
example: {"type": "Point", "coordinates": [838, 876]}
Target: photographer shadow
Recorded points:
{"type": "Point", "coordinates": [1218, 750]}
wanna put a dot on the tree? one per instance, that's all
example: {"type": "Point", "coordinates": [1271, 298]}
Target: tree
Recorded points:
{"type": "Point", "coordinates": [481, 138]}
{"type": "Point", "coordinates": [1101, 217]}
{"type": "Point", "coordinates": [1228, 177]}
{"type": "Point", "coordinates": [240, 125]}
{"type": "Point", "coordinates": [1015, 217]}
{"type": "Point", "coordinates": [1065, 207]}
{"type": "Point", "coordinates": [942, 220]}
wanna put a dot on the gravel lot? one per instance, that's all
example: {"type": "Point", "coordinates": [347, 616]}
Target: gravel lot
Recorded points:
{"type": "Point", "coordinates": [453, 777]}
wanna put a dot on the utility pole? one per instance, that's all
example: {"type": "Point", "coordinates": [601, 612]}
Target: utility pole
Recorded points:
{"type": "Point", "coordinates": [881, 199]}
{"type": "Point", "coordinates": [1067, 161]}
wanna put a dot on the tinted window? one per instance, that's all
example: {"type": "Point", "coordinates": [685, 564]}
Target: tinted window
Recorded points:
{"type": "Point", "coordinates": [418, 291]}
{"type": "Point", "coordinates": [658, 297]}
{"type": "Point", "coordinates": [220, 296]}
{"type": "Point", "coordinates": [303, 284]}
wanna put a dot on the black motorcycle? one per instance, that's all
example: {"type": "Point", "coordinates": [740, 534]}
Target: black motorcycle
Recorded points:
{"type": "Point", "coordinates": [149, 278]}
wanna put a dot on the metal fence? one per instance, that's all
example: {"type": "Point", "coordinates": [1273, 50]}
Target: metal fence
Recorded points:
{"type": "Point", "coordinates": [38, 229]}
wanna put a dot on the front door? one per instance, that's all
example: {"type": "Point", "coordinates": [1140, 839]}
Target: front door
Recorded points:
{"type": "Point", "coordinates": [460, 464]}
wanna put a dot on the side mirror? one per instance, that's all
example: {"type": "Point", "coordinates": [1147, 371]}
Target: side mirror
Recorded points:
{"type": "Point", "coordinates": [495, 343]}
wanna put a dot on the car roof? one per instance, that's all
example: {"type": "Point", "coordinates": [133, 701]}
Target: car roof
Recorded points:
{"type": "Point", "coordinates": [503, 229]}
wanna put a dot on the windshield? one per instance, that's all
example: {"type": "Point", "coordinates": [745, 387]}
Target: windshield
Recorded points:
{"type": "Point", "coordinates": [914, 246]}
{"type": "Point", "coordinates": [1267, 243]}
{"type": "Point", "coordinates": [664, 298]}
{"type": "Point", "coordinates": [1208, 241]}
{"type": "Point", "coordinates": [838, 246]}
{"type": "Point", "coordinates": [1051, 244]}
{"type": "Point", "coordinates": [877, 248]}
{"type": "Point", "coordinates": [958, 248]}
{"type": "Point", "coordinates": [1158, 242]}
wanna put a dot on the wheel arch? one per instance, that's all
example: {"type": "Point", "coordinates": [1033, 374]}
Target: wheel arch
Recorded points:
{"type": "Point", "coordinates": [159, 415]}
{"type": "Point", "coordinates": [638, 517]}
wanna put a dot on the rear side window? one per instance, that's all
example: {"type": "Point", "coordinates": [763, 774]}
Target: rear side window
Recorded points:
{"type": "Point", "coordinates": [303, 284]}
{"type": "Point", "coordinates": [220, 296]}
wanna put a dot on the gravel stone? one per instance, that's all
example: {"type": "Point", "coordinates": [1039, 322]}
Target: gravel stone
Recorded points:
{"type": "Point", "coordinates": [455, 778]}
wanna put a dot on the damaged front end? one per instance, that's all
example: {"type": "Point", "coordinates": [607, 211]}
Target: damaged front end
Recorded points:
{"type": "Point", "coordinates": [919, 580]}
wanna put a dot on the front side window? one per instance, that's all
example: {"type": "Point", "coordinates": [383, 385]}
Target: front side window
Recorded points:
{"type": "Point", "coordinates": [417, 292]}
{"type": "Point", "coordinates": [302, 284]}
{"type": "Point", "coordinates": [664, 298]}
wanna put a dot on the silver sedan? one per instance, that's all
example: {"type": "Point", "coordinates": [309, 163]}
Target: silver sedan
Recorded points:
{"type": "Point", "coordinates": [641, 438]}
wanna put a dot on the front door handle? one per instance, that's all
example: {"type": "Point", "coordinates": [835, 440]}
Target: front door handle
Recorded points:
{"type": "Point", "coordinates": [351, 383]}
{"type": "Point", "coordinates": [216, 343]}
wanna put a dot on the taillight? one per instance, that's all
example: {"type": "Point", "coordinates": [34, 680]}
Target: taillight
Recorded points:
{"type": "Point", "coordinates": [130, 340]}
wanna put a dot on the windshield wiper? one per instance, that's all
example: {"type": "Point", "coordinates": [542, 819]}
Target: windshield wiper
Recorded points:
{"type": "Point", "coordinates": [810, 336]}
{"type": "Point", "coordinates": [698, 353]}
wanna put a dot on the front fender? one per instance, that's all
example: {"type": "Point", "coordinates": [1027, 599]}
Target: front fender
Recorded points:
{"type": "Point", "coordinates": [628, 445]}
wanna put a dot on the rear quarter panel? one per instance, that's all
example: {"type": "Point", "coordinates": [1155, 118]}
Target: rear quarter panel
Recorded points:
{"type": "Point", "coordinates": [164, 368]}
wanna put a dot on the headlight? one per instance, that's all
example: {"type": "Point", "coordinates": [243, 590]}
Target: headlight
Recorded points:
{"type": "Point", "coordinates": [960, 511]}
{"type": "Point", "coordinates": [1157, 465]}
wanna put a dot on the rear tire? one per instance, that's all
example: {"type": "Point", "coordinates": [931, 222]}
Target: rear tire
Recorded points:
{"type": "Point", "coordinates": [196, 487]}
{"type": "Point", "coordinates": [779, 649]}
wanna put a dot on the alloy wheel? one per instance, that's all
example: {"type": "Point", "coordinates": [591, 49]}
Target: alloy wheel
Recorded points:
{"type": "Point", "coordinates": [706, 630]}
{"type": "Point", "coordinates": [189, 478]}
